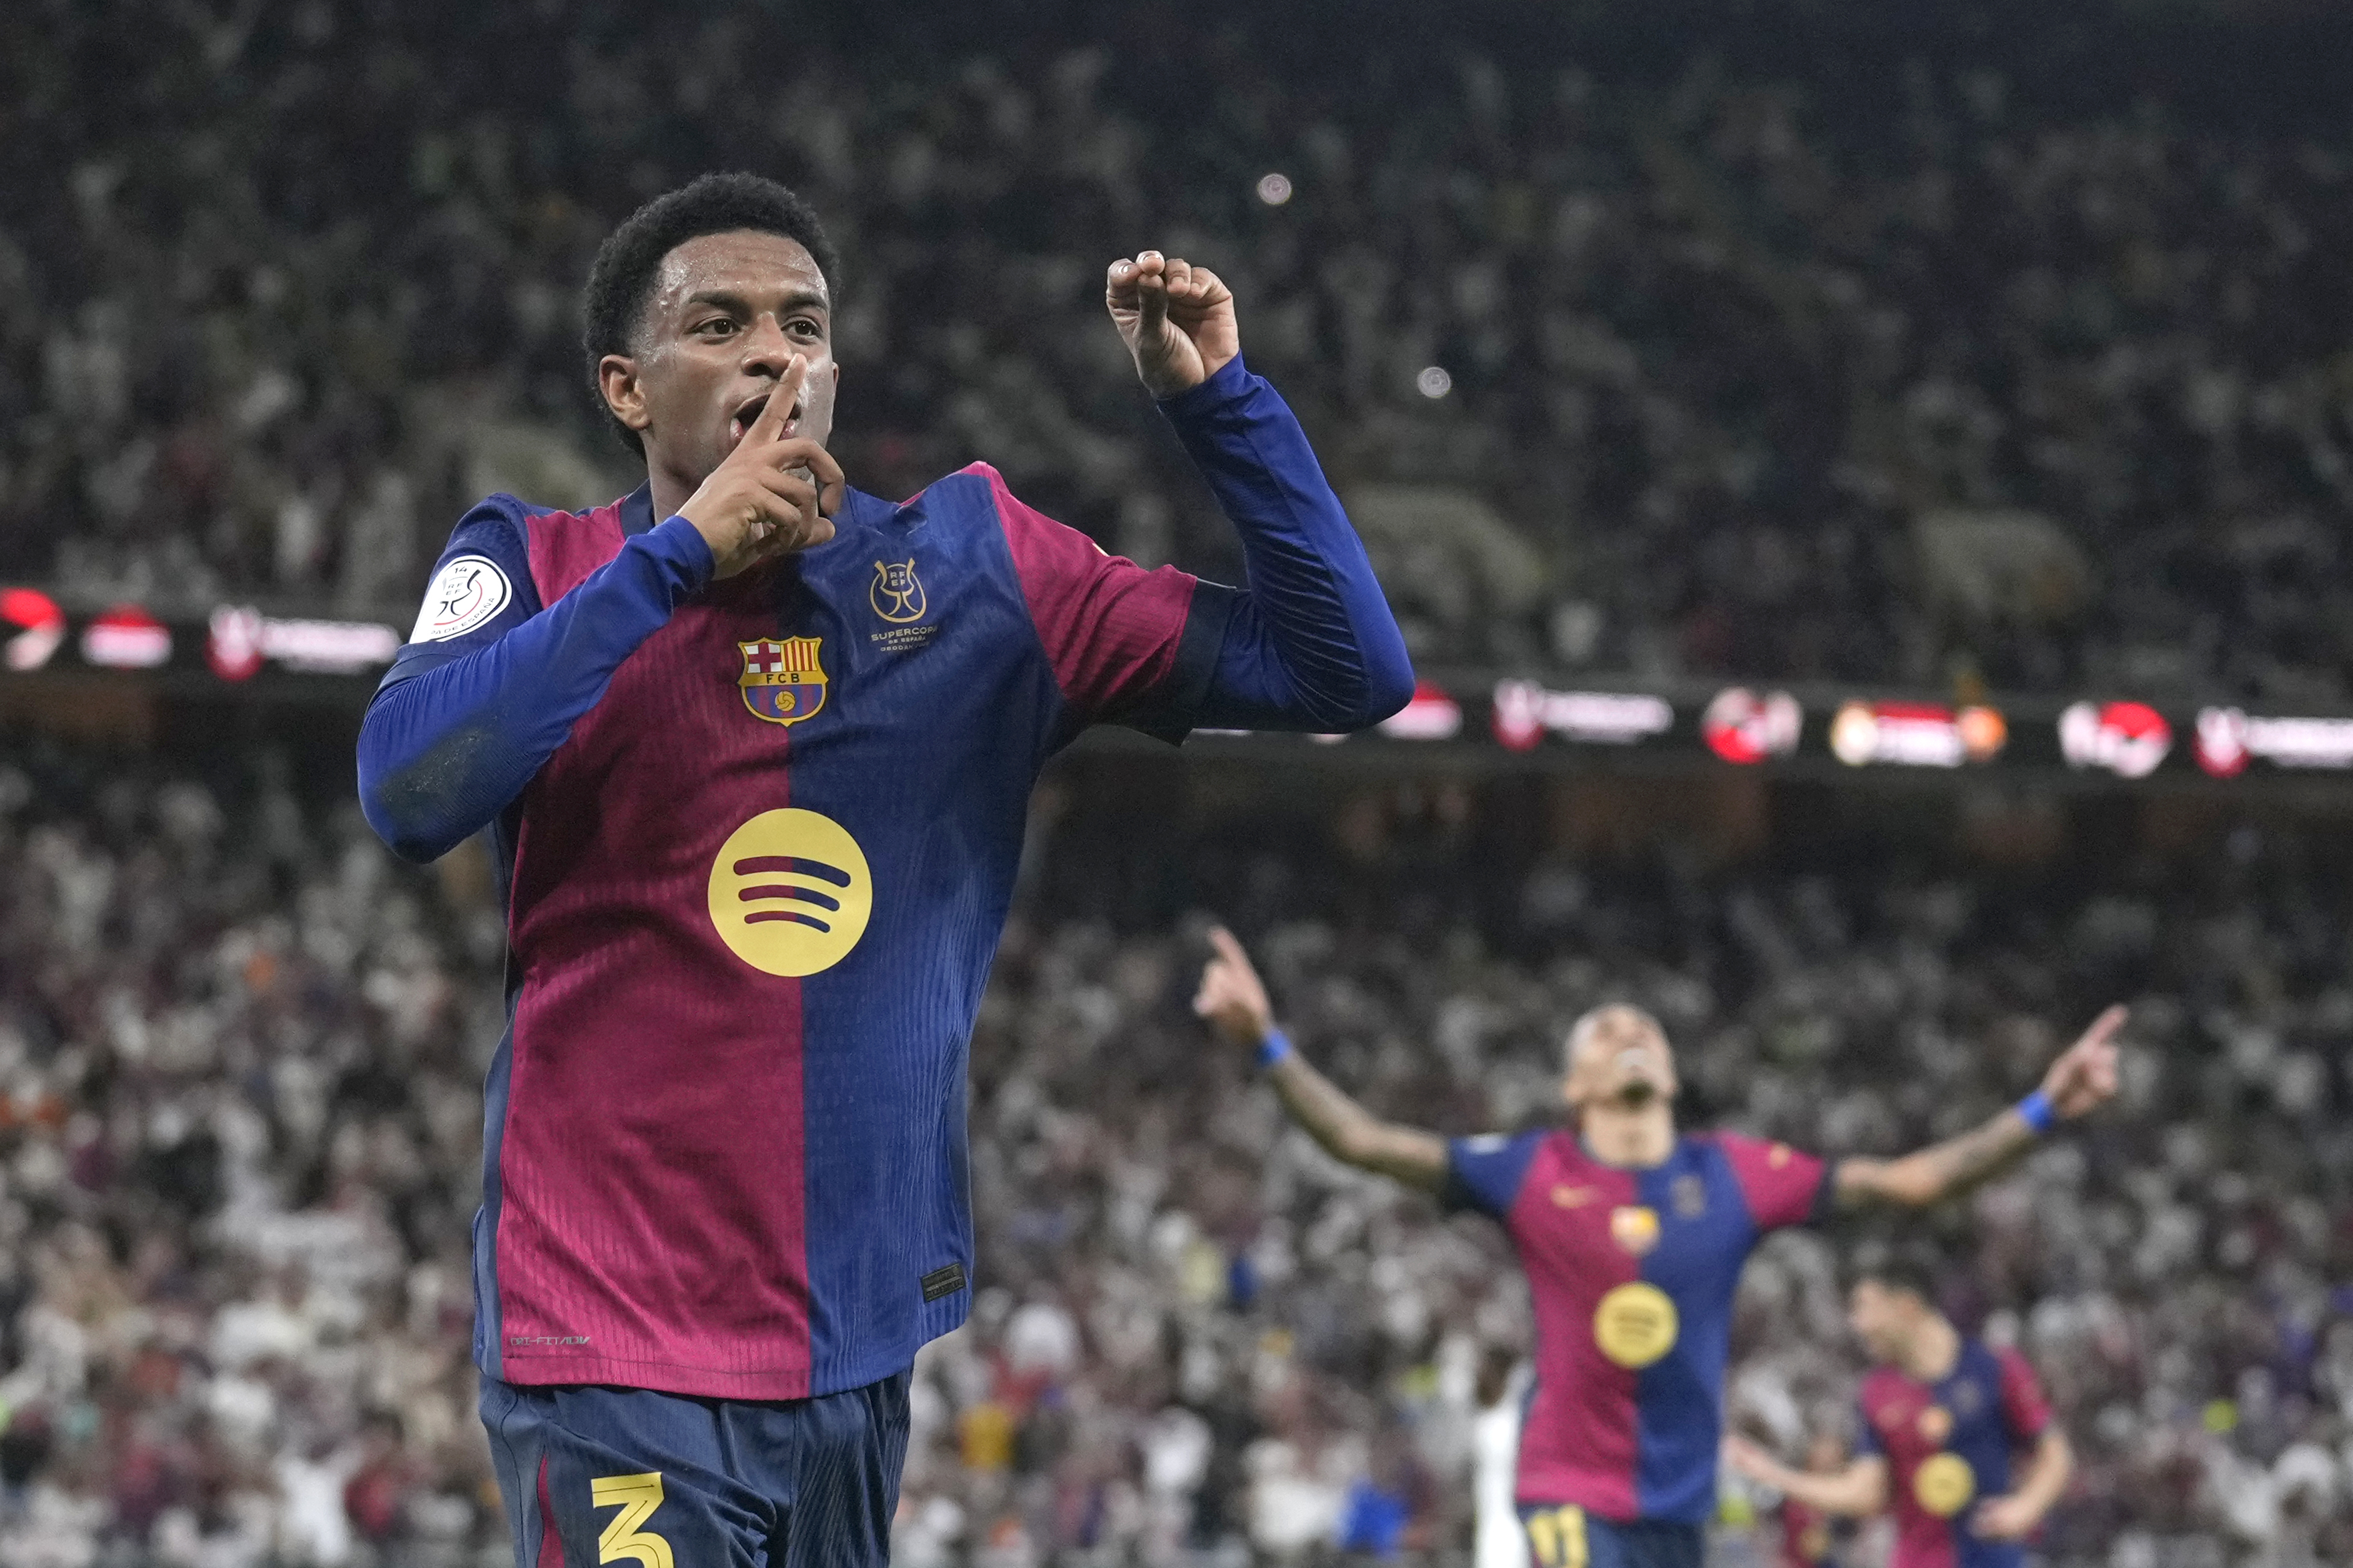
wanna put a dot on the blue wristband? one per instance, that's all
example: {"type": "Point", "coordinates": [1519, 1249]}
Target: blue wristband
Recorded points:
{"type": "Point", "coordinates": [1273, 1048]}
{"type": "Point", "coordinates": [2036, 1112]}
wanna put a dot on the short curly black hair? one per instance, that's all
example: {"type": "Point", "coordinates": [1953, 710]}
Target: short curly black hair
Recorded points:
{"type": "Point", "coordinates": [621, 279]}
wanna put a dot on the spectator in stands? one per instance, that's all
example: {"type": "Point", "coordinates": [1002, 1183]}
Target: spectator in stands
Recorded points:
{"type": "Point", "coordinates": [237, 1054]}
{"type": "Point", "coordinates": [1872, 357]}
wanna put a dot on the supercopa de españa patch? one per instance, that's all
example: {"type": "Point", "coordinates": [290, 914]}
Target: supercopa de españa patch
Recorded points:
{"type": "Point", "coordinates": [466, 595]}
{"type": "Point", "coordinates": [902, 603]}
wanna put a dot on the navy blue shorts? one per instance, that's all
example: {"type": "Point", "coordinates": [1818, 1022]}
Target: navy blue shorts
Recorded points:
{"type": "Point", "coordinates": [1568, 1537]}
{"type": "Point", "coordinates": [594, 1475]}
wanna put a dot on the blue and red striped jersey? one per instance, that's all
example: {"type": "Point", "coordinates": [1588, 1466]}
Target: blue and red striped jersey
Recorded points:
{"type": "Point", "coordinates": [1947, 1445]}
{"type": "Point", "coordinates": [758, 838]}
{"type": "Point", "coordinates": [1631, 1273]}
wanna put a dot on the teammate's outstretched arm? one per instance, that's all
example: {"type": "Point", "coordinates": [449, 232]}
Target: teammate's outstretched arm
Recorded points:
{"type": "Point", "coordinates": [1857, 1491]}
{"type": "Point", "coordinates": [1233, 999]}
{"type": "Point", "coordinates": [2082, 1079]}
{"type": "Point", "coordinates": [1311, 644]}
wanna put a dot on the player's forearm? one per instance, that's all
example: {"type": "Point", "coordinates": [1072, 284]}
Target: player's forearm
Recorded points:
{"type": "Point", "coordinates": [2047, 1473]}
{"type": "Point", "coordinates": [1350, 1133]}
{"type": "Point", "coordinates": [1311, 645]}
{"type": "Point", "coordinates": [1856, 1493]}
{"type": "Point", "coordinates": [443, 753]}
{"type": "Point", "coordinates": [1939, 1170]}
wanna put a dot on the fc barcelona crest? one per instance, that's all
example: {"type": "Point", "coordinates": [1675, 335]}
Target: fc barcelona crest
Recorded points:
{"type": "Point", "coordinates": [782, 681]}
{"type": "Point", "coordinates": [1634, 1227]}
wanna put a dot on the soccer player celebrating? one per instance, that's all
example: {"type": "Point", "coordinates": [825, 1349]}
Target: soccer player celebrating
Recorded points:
{"type": "Point", "coordinates": [754, 749]}
{"type": "Point", "coordinates": [1941, 1416]}
{"type": "Point", "coordinates": [1633, 1237]}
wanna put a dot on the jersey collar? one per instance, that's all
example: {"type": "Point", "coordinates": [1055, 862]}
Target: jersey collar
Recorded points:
{"type": "Point", "coordinates": [637, 511]}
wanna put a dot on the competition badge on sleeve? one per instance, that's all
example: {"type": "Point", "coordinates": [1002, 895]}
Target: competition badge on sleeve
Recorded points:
{"type": "Point", "coordinates": [467, 594]}
{"type": "Point", "coordinates": [782, 681]}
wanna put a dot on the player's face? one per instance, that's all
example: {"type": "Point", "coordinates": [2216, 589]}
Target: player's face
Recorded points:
{"type": "Point", "coordinates": [1619, 1055]}
{"type": "Point", "coordinates": [1881, 1317]}
{"type": "Point", "coordinates": [729, 313]}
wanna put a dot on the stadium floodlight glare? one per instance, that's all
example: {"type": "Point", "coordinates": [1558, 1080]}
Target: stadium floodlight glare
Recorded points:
{"type": "Point", "coordinates": [1433, 382]}
{"type": "Point", "coordinates": [1274, 189]}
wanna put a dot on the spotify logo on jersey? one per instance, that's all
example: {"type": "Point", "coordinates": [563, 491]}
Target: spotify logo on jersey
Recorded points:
{"type": "Point", "coordinates": [1944, 1484]}
{"type": "Point", "coordinates": [1635, 1325]}
{"type": "Point", "coordinates": [790, 893]}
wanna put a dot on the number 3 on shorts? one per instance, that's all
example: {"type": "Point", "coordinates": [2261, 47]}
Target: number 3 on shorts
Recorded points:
{"type": "Point", "coordinates": [636, 1497]}
{"type": "Point", "coordinates": [1558, 1534]}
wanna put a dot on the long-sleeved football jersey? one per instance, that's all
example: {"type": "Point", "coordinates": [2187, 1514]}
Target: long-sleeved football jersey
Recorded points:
{"type": "Point", "coordinates": [758, 838]}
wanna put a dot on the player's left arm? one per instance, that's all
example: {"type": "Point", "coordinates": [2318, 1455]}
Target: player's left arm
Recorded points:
{"type": "Point", "coordinates": [1311, 644]}
{"type": "Point", "coordinates": [2017, 1512]}
{"type": "Point", "coordinates": [2082, 1079]}
{"type": "Point", "coordinates": [2026, 1416]}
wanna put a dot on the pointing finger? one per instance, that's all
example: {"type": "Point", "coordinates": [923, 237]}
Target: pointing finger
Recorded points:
{"type": "Point", "coordinates": [770, 426]}
{"type": "Point", "coordinates": [1229, 949]}
{"type": "Point", "coordinates": [2104, 1027]}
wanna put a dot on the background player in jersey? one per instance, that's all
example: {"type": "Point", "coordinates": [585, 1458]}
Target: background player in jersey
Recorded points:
{"type": "Point", "coordinates": [1634, 1239]}
{"type": "Point", "coordinates": [1807, 1534]}
{"type": "Point", "coordinates": [754, 751]}
{"type": "Point", "coordinates": [1940, 1418]}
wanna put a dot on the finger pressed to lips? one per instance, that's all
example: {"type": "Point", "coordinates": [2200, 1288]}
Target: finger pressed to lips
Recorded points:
{"type": "Point", "coordinates": [748, 412]}
{"type": "Point", "coordinates": [752, 409]}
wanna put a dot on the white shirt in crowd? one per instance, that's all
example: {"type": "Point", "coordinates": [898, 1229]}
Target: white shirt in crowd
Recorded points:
{"type": "Point", "coordinates": [1498, 1540]}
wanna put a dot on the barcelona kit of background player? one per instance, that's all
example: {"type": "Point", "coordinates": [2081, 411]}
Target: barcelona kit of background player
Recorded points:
{"type": "Point", "coordinates": [1939, 1422]}
{"type": "Point", "coordinates": [1633, 1236]}
{"type": "Point", "coordinates": [754, 751]}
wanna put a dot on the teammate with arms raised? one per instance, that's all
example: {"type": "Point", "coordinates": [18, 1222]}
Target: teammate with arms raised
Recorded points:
{"type": "Point", "coordinates": [1633, 1237]}
{"type": "Point", "coordinates": [754, 749]}
{"type": "Point", "coordinates": [1940, 1418]}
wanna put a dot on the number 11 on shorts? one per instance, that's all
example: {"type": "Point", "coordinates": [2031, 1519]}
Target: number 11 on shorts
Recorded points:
{"type": "Point", "coordinates": [1557, 1537]}
{"type": "Point", "coordinates": [636, 1497]}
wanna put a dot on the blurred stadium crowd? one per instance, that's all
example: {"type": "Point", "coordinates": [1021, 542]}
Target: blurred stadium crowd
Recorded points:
{"type": "Point", "coordinates": [1774, 346]}
{"type": "Point", "coordinates": [241, 1050]}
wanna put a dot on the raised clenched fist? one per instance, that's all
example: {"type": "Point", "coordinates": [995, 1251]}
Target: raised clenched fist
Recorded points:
{"type": "Point", "coordinates": [1177, 320]}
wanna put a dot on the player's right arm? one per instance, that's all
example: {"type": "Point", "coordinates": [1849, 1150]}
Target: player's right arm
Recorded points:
{"type": "Point", "coordinates": [1234, 1000]}
{"type": "Point", "coordinates": [2082, 1079]}
{"type": "Point", "coordinates": [1856, 1493]}
{"type": "Point", "coordinates": [460, 726]}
